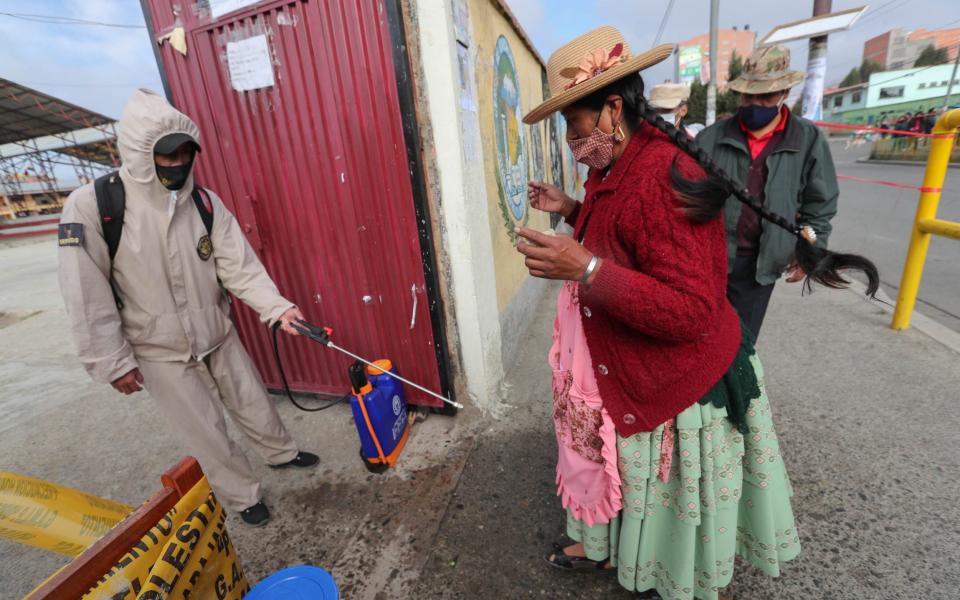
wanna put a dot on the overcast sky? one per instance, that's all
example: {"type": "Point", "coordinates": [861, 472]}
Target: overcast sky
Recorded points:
{"type": "Point", "coordinates": [94, 66]}
{"type": "Point", "coordinates": [99, 67]}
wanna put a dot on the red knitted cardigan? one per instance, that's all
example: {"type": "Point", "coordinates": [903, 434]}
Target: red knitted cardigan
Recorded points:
{"type": "Point", "coordinates": [660, 330]}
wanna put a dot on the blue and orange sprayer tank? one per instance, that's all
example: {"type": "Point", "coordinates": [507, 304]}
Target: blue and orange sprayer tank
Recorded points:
{"type": "Point", "coordinates": [380, 414]}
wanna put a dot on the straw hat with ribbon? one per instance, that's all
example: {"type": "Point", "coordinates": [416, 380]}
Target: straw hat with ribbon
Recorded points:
{"type": "Point", "coordinates": [590, 63]}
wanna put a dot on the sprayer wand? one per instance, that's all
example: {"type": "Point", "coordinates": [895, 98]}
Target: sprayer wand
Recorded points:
{"type": "Point", "coordinates": [322, 336]}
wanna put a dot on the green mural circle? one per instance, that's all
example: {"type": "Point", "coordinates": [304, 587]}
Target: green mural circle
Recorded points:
{"type": "Point", "coordinates": [511, 143]}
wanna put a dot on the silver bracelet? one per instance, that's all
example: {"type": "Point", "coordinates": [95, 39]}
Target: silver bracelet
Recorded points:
{"type": "Point", "coordinates": [590, 269]}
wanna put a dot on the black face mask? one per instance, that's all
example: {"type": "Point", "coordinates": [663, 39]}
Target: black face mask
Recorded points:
{"type": "Point", "coordinates": [174, 178]}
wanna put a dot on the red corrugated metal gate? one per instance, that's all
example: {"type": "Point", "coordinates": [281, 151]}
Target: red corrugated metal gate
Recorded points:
{"type": "Point", "coordinates": [317, 169]}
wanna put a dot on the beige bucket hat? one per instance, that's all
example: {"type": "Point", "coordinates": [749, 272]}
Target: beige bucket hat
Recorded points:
{"type": "Point", "coordinates": [668, 96]}
{"type": "Point", "coordinates": [589, 63]}
{"type": "Point", "coordinates": [767, 70]}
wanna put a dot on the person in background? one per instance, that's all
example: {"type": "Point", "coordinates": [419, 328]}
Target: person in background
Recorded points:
{"type": "Point", "coordinates": [929, 120]}
{"type": "Point", "coordinates": [884, 124]}
{"type": "Point", "coordinates": [916, 126]}
{"type": "Point", "coordinates": [670, 101]}
{"type": "Point", "coordinates": [784, 161]}
{"type": "Point", "coordinates": [902, 124]}
{"type": "Point", "coordinates": [155, 315]}
{"type": "Point", "coordinates": [916, 123]}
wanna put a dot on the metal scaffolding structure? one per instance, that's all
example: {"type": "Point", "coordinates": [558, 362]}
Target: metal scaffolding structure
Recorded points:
{"type": "Point", "coordinates": [40, 135]}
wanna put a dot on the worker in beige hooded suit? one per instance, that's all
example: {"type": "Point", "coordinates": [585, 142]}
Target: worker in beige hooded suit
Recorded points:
{"type": "Point", "coordinates": [168, 327]}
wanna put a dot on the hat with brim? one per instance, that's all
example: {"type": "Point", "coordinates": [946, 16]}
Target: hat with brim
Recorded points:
{"type": "Point", "coordinates": [588, 64]}
{"type": "Point", "coordinates": [668, 96]}
{"type": "Point", "coordinates": [767, 70]}
{"type": "Point", "coordinates": [168, 144]}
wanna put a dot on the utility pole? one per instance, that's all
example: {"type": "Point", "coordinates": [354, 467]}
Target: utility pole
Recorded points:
{"type": "Point", "coordinates": [956, 63]}
{"type": "Point", "coordinates": [712, 87]}
{"type": "Point", "coordinates": [816, 67]}
{"type": "Point", "coordinates": [676, 63]}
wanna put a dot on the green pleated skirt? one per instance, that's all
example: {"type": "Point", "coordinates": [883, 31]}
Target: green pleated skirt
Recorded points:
{"type": "Point", "coordinates": [728, 493]}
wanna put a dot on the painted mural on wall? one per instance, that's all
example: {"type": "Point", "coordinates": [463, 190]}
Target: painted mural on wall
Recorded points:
{"type": "Point", "coordinates": [511, 142]}
{"type": "Point", "coordinates": [536, 153]}
{"type": "Point", "coordinates": [570, 173]}
{"type": "Point", "coordinates": [557, 127]}
{"type": "Point", "coordinates": [579, 188]}
{"type": "Point", "coordinates": [554, 124]}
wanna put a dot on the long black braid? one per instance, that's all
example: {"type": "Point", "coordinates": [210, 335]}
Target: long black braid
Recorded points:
{"type": "Point", "coordinates": [703, 199]}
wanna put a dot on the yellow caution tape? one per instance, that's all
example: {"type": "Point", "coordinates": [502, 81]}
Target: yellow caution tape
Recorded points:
{"type": "Point", "coordinates": [54, 517]}
{"type": "Point", "coordinates": [187, 554]}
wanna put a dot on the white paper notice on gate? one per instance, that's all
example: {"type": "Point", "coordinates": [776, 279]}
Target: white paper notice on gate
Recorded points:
{"type": "Point", "coordinates": [218, 8]}
{"type": "Point", "coordinates": [251, 66]}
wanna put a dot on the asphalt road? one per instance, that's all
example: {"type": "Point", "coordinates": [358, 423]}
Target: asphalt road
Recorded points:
{"type": "Point", "coordinates": [866, 421]}
{"type": "Point", "coordinates": [876, 221]}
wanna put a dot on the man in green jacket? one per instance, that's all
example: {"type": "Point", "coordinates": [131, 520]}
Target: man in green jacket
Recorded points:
{"type": "Point", "coordinates": [784, 161]}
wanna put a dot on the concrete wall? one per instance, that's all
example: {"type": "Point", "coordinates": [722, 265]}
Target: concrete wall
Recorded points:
{"type": "Point", "coordinates": [509, 82]}
{"type": "Point", "coordinates": [476, 77]}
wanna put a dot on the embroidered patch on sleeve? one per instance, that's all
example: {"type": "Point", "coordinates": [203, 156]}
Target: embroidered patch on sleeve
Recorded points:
{"type": "Point", "coordinates": [70, 234]}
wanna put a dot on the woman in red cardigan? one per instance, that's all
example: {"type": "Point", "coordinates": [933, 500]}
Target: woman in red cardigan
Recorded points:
{"type": "Point", "coordinates": [668, 463]}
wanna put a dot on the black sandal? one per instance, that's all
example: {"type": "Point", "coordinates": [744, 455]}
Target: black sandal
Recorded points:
{"type": "Point", "coordinates": [559, 559]}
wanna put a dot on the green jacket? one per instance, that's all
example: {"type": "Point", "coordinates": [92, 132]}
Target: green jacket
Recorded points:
{"type": "Point", "coordinates": [801, 185]}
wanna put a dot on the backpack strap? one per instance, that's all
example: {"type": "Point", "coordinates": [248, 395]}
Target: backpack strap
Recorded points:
{"type": "Point", "coordinates": [204, 206]}
{"type": "Point", "coordinates": [111, 203]}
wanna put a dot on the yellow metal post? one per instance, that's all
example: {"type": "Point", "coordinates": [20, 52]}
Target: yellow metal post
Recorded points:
{"type": "Point", "coordinates": [944, 133]}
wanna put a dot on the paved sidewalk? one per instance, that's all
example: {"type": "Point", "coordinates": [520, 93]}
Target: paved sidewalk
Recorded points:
{"type": "Point", "coordinates": [868, 422]}
{"type": "Point", "coordinates": [867, 419]}
{"type": "Point", "coordinates": [373, 532]}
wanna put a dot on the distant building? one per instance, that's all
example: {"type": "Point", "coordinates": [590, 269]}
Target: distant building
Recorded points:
{"type": "Point", "coordinates": [891, 92]}
{"type": "Point", "coordinates": [693, 55]}
{"type": "Point", "coordinates": [839, 100]}
{"type": "Point", "coordinates": [900, 48]}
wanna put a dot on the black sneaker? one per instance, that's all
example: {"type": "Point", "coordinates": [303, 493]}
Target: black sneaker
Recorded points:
{"type": "Point", "coordinates": [303, 460]}
{"type": "Point", "coordinates": [256, 516]}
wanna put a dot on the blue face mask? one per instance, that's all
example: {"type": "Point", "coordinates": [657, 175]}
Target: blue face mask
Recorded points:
{"type": "Point", "coordinates": [757, 117]}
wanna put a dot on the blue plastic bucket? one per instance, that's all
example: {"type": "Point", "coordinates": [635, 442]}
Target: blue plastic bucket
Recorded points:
{"type": "Point", "coordinates": [296, 583]}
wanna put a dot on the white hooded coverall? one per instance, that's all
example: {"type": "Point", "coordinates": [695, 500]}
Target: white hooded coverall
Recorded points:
{"type": "Point", "coordinates": [174, 325]}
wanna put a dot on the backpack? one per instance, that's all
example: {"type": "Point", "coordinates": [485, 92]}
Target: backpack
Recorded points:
{"type": "Point", "coordinates": [112, 202]}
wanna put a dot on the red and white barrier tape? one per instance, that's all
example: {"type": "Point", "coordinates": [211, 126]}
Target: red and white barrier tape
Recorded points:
{"type": "Point", "coordinates": [891, 132]}
{"type": "Point", "coordinates": [895, 184]}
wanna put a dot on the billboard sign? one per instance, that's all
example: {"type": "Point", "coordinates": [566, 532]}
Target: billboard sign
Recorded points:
{"type": "Point", "coordinates": [691, 63]}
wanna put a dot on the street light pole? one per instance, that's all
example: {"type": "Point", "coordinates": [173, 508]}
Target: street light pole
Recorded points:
{"type": "Point", "coordinates": [816, 67]}
{"type": "Point", "coordinates": [712, 86]}
{"type": "Point", "coordinates": [953, 77]}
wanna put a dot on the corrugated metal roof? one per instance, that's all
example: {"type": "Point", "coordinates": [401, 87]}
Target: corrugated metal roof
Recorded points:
{"type": "Point", "coordinates": [26, 113]}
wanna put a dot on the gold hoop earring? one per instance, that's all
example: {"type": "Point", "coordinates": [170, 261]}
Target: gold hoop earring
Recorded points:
{"type": "Point", "coordinates": [618, 134]}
